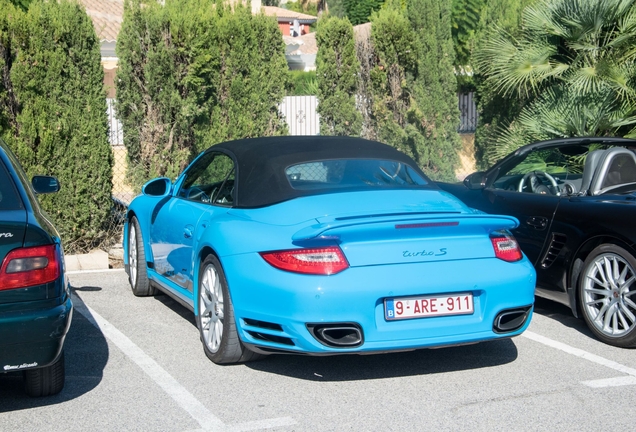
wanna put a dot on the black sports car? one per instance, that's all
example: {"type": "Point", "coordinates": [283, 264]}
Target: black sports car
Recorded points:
{"type": "Point", "coordinates": [35, 302]}
{"type": "Point", "coordinates": [575, 200]}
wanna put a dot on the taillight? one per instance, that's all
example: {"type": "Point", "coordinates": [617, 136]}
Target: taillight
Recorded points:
{"type": "Point", "coordinates": [25, 267]}
{"type": "Point", "coordinates": [316, 261]}
{"type": "Point", "coordinates": [506, 247]}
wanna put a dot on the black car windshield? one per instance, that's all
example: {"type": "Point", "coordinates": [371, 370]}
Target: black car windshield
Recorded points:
{"type": "Point", "coordinates": [353, 173]}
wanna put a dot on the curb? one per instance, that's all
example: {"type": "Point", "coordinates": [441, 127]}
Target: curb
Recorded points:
{"type": "Point", "coordinates": [95, 260]}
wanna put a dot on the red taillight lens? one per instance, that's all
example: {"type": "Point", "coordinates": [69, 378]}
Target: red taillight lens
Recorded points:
{"type": "Point", "coordinates": [506, 247]}
{"type": "Point", "coordinates": [316, 261]}
{"type": "Point", "coordinates": [27, 267]}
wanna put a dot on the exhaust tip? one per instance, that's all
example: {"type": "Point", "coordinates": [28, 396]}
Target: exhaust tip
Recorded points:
{"type": "Point", "coordinates": [337, 335]}
{"type": "Point", "coordinates": [511, 320]}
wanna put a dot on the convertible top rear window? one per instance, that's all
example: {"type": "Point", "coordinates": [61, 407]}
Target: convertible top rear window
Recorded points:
{"type": "Point", "coordinates": [271, 170]}
{"type": "Point", "coordinates": [353, 173]}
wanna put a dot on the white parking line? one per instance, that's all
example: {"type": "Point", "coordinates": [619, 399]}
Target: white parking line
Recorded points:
{"type": "Point", "coordinates": [609, 382]}
{"type": "Point", "coordinates": [190, 404]}
{"type": "Point", "coordinates": [115, 270]}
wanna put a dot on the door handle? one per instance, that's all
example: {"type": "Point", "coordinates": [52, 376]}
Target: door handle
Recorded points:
{"type": "Point", "coordinates": [187, 231]}
{"type": "Point", "coordinates": [537, 222]}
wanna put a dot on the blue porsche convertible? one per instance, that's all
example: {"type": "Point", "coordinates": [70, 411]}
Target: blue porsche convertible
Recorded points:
{"type": "Point", "coordinates": [324, 245]}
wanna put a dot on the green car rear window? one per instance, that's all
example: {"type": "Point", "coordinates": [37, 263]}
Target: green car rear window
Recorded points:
{"type": "Point", "coordinates": [9, 198]}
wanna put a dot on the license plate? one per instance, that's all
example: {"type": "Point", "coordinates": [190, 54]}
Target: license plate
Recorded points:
{"type": "Point", "coordinates": [428, 306]}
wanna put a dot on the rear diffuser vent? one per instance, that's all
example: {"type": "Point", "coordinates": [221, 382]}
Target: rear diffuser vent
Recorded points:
{"type": "Point", "coordinates": [557, 242]}
{"type": "Point", "coordinates": [270, 338]}
{"type": "Point", "coordinates": [265, 335]}
{"type": "Point", "coordinates": [262, 324]}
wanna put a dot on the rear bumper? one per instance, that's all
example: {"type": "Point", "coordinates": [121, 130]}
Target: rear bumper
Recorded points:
{"type": "Point", "coordinates": [33, 337]}
{"type": "Point", "coordinates": [274, 308]}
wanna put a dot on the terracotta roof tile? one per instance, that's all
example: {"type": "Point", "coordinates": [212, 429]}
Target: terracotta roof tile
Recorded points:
{"type": "Point", "coordinates": [306, 43]}
{"type": "Point", "coordinates": [286, 14]}
{"type": "Point", "coordinates": [106, 15]}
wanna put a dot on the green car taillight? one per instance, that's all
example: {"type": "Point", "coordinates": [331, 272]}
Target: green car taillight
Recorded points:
{"type": "Point", "coordinates": [25, 267]}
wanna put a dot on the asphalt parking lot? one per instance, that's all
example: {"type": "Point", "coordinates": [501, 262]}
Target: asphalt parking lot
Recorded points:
{"type": "Point", "coordinates": [137, 364]}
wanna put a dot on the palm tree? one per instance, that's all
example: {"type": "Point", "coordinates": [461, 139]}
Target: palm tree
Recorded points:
{"type": "Point", "coordinates": [574, 64]}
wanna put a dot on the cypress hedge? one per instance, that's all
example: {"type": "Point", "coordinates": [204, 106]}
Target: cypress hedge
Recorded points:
{"type": "Point", "coordinates": [53, 113]}
{"type": "Point", "coordinates": [409, 84]}
{"type": "Point", "coordinates": [194, 73]}
{"type": "Point", "coordinates": [337, 68]}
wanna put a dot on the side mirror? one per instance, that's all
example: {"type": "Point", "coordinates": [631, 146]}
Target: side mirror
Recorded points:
{"type": "Point", "coordinates": [45, 184]}
{"type": "Point", "coordinates": [476, 180]}
{"type": "Point", "coordinates": [157, 187]}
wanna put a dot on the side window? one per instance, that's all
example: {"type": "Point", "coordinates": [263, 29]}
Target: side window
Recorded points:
{"type": "Point", "coordinates": [545, 172]}
{"type": "Point", "coordinates": [9, 198]}
{"type": "Point", "coordinates": [210, 180]}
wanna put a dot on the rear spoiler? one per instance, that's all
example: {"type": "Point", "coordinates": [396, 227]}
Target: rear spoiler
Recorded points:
{"type": "Point", "coordinates": [406, 226]}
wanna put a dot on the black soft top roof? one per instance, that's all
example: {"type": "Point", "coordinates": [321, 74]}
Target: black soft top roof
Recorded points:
{"type": "Point", "coordinates": [262, 162]}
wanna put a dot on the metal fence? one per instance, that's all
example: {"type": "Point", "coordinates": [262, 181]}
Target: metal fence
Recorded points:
{"type": "Point", "coordinates": [301, 115]}
{"type": "Point", "coordinates": [468, 112]}
{"type": "Point", "coordinates": [122, 191]}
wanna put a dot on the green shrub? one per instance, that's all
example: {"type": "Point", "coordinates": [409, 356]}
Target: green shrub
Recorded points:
{"type": "Point", "coordinates": [337, 69]}
{"type": "Point", "coordinates": [192, 74]}
{"type": "Point", "coordinates": [54, 113]}
{"type": "Point", "coordinates": [408, 86]}
{"type": "Point", "coordinates": [303, 83]}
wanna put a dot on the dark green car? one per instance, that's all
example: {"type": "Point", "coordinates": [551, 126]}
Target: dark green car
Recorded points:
{"type": "Point", "coordinates": [35, 301]}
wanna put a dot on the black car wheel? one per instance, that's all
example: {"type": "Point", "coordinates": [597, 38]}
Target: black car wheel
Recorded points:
{"type": "Point", "coordinates": [607, 292]}
{"type": "Point", "coordinates": [215, 320]}
{"type": "Point", "coordinates": [45, 381]}
{"type": "Point", "coordinates": [138, 273]}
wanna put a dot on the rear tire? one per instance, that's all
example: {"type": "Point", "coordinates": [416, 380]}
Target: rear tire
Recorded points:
{"type": "Point", "coordinates": [46, 381]}
{"type": "Point", "coordinates": [607, 295]}
{"type": "Point", "coordinates": [215, 320]}
{"type": "Point", "coordinates": [138, 272]}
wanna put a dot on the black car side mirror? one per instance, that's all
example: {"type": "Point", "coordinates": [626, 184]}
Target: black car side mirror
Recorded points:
{"type": "Point", "coordinates": [157, 187]}
{"type": "Point", "coordinates": [476, 180]}
{"type": "Point", "coordinates": [45, 184]}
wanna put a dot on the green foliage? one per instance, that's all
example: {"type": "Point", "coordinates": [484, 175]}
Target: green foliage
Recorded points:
{"type": "Point", "coordinates": [572, 64]}
{"type": "Point", "coordinates": [465, 17]}
{"type": "Point", "coordinates": [336, 70]}
{"type": "Point", "coordinates": [395, 57]}
{"type": "Point", "coordinates": [359, 11]}
{"type": "Point", "coordinates": [412, 86]}
{"type": "Point", "coordinates": [53, 113]}
{"type": "Point", "coordinates": [22, 4]}
{"type": "Point", "coordinates": [336, 8]}
{"type": "Point", "coordinates": [193, 74]}
{"type": "Point", "coordinates": [309, 8]}
{"type": "Point", "coordinates": [495, 111]}
{"type": "Point", "coordinates": [303, 83]}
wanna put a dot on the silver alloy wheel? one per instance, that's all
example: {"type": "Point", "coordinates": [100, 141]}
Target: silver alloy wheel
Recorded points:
{"type": "Point", "coordinates": [132, 254]}
{"type": "Point", "coordinates": [211, 308]}
{"type": "Point", "coordinates": [608, 287]}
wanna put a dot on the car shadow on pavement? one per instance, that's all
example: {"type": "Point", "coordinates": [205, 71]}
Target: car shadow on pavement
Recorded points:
{"type": "Point", "coordinates": [390, 365]}
{"type": "Point", "coordinates": [86, 354]}
{"type": "Point", "coordinates": [562, 314]}
{"type": "Point", "coordinates": [176, 307]}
